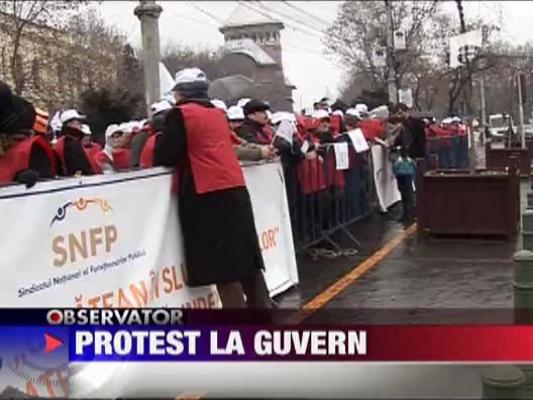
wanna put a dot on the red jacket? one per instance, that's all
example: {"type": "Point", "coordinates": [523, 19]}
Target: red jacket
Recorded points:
{"type": "Point", "coordinates": [18, 158]}
{"type": "Point", "coordinates": [371, 128]}
{"type": "Point", "coordinates": [93, 149]}
{"type": "Point", "coordinates": [214, 165]}
{"type": "Point", "coordinates": [311, 172]}
{"type": "Point", "coordinates": [335, 124]}
{"type": "Point", "coordinates": [60, 150]}
{"type": "Point", "coordinates": [146, 159]}
{"type": "Point", "coordinates": [121, 159]}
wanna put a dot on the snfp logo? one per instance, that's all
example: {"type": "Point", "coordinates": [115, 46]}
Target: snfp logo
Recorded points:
{"type": "Point", "coordinates": [81, 244]}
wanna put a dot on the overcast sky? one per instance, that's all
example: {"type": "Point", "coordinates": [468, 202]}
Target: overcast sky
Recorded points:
{"type": "Point", "coordinates": [196, 24]}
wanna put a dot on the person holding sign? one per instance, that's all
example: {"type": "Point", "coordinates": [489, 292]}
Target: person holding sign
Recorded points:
{"type": "Point", "coordinates": [219, 234]}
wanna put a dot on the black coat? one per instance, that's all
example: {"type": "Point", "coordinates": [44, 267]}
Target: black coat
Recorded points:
{"type": "Point", "coordinates": [251, 131]}
{"type": "Point", "coordinates": [219, 235]}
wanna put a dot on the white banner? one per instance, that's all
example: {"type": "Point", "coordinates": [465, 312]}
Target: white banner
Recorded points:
{"type": "Point", "coordinates": [385, 181]}
{"type": "Point", "coordinates": [115, 241]}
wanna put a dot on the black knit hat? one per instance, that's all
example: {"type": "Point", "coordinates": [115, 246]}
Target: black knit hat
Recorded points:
{"type": "Point", "coordinates": [17, 115]}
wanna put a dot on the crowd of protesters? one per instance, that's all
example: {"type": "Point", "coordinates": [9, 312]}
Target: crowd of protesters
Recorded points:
{"type": "Point", "coordinates": [204, 139]}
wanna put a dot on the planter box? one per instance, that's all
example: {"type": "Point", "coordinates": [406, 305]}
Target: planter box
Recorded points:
{"type": "Point", "coordinates": [499, 158]}
{"type": "Point", "coordinates": [455, 202]}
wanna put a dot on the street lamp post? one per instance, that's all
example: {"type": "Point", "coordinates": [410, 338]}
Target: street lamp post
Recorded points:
{"type": "Point", "coordinates": [148, 13]}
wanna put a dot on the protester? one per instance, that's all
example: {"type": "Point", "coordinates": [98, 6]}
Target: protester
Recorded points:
{"type": "Point", "coordinates": [24, 157]}
{"type": "Point", "coordinates": [256, 118]}
{"type": "Point", "coordinates": [91, 147]}
{"type": "Point", "coordinates": [220, 239]}
{"type": "Point", "coordinates": [114, 156]}
{"type": "Point", "coordinates": [246, 151]}
{"type": "Point", "coordinates": [404, 169]}
{"type": "Point", "coordinates": [414, 138]}
{"type": "Point", "coordinates": [74, 158]}
{"type": "Point", "coordinates": [142, 144]}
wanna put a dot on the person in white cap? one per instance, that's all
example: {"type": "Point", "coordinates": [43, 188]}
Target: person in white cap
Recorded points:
{"type": "Point", "coordinates": [74, 158]}
{"type": "Point", "coordinates": [143, 143]}
{"type": "Point", "coordinates": [362, 109]}
{"type": "Point", "coordinates": [114, 156]}
{"type": "Point", "coordinates": [91, 147]}
{"type": "Point", "coordinates": [219, 235]}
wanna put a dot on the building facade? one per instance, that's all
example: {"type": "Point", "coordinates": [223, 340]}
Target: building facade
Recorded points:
{"type": "Point", "coordinates": [53, 67]}
{"type": "Point", "coordinates": [253, 49]}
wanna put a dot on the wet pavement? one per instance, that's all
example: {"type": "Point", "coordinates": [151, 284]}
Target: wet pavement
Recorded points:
{"type": "Point", "coordinates": [420, 273]}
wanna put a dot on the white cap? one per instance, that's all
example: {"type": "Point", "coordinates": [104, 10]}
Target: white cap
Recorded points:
{"type": "Point", "coordinates": [219, 104]}
{"type": "Point", "coordinates": [456, 119]}
{"type": "Point", "coordinates": [113, 128]}
{"type": "Point", "coordinates": [189, 75]}
{"type": "Point", "coordinates": [362, 108]}
{"type": "Point", "coordinates": [321, 114]}
{"type": "Point", "coordinates": [55, 122]}
{"type": "Point", "coordinates": [279, 116]}
{"type": "Point", "coordinates": [69, 115]}
{"type": "Point", "coordinates": [353, 113]}
{"type": "Point", "coordinates": [160, 106]}
{"type": "Point", "coordinates": [447, 120]}
{"type": "Point", "coordinates": [338, 112]}
{"type": "Point", "coordinates": [242, 102]}
{"type": "Point", "coordinates": [127, 127]}
{"type": "Point", "coordinates": [86, 129]}
{"type": "Point", "coordinates": [235, 113]}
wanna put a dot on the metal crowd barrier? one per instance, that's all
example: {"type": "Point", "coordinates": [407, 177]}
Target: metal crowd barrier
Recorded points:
{"type": "Point", "coordinates": [450, 152]}
{"type": "Point", "coordinates": [324, 201]}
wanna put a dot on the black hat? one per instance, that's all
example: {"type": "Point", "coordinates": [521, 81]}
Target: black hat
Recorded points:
{"type": "Point", "coordinates": [17, 114]}
{"type": "Point", "coordinates": [255, 105]}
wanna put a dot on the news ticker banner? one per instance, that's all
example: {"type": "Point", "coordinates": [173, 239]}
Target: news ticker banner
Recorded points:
{"type": "Point", "coordinates": [57, 347]}
{"type": "Point", "coordinates": [50, 349]}
{"type": "Point", "coordinates": [115, 241]}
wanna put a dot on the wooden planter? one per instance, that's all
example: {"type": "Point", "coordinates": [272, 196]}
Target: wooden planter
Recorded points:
{"type": "Point", "coordinates": [499, 158]}
{"type": "Point", "coordinates": [456, 202]}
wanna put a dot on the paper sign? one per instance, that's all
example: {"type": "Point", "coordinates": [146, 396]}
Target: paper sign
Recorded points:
{"type": "Point", "coordinates": [341, 155]}
{"type": "Point", "coordinates": [358, 140]}
{"type": "Point", "coordinates": [285, 130]}
{"type": "Point", "coordinates": [305, 147]}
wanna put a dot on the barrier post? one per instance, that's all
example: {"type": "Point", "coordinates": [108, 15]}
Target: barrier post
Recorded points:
{"type": "Point", "coordinates": [503, 382]}
{"type": "Point", "coordinates": [527, 229]}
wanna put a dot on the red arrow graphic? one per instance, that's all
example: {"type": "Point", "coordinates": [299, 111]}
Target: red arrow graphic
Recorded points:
{"type": "Point", "coordinates": [51, 343]}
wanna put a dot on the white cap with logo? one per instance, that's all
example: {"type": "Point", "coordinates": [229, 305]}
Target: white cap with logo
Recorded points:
{"type": "Point", "coordinates": [321, 114]}
{"type": "Point", "coordinates": [189, 75]}
{"type": "Point", "coordinates": [160, 106]}
{"type": "Point", "coordinates": [235, 113]}
{"type": "Point", "coordinates": [69, 115]}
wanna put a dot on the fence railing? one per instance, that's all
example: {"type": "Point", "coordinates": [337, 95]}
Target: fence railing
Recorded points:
{"type": "Point", "coordinates": [450, 152]}
{"type": "Point", "coordinates": [324, 201]}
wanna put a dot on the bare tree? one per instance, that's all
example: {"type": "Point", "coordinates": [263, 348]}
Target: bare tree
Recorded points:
{"type": "Point", "coordinates": [360, 29]}
{"type": "Point", "coordinates": [16, 16]}
{"type": "Point", "coordinates": [177, 57]}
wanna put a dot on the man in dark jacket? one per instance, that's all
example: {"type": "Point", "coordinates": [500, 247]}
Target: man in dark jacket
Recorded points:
{"type": "Point", "coordinates": [253, 128]}
{"type": "Point", "coordinates": [215, 210]}
{"type": "Point", "coordinates": [414, 138]}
